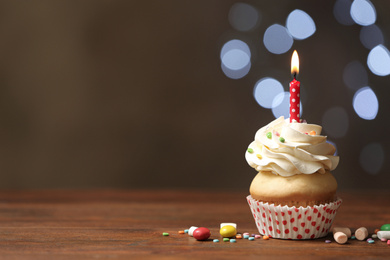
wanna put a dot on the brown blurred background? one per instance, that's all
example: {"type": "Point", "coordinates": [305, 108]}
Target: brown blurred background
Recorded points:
{"type": "Point", "coordinates": [131, 94]}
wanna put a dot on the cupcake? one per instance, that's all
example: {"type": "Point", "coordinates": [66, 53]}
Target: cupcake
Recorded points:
{"type": "Point", "coordinates": [293, 195]}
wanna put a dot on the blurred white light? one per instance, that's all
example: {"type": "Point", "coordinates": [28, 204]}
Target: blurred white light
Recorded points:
{"type": "Point", "coordinates": [235, 45]}
{"type": "Point", "coordinates": [342, 12]}
{"type": "Point", "coordinates": [236, 74]}
{"type": "Point", "coordinates": [300, 24]}
{"type": "Point", "coordinates": [235, 59]}
{"type": "Point", "coordinates": [371, 36]}
{"type": "Point", "coordinates": [266, 89]}
{"type": "Point", "coordinates": [281, 105]}
{"type": "Point", "coordinates": [243, 17]}
{"type": "Point", "coordinates": [379, 60]}
{"type": "Point", "coordinates": [355, 75]}
{"type": "Point", "coordinates": [365, 103]}
{"type": "Point", "coordinates": [335, 122]}
{"type": "Point", "coordinates": [363, 12]}
{"type": "Point", "coordinates": [372, 157]}
{"type": "Point", "coordinates": [277, 39]}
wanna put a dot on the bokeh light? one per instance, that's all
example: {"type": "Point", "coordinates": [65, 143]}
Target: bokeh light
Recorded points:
{"type": "Point", "coordinates": [244, 17]}
{"type": "Point", "coordinates": [363, 12]}
{"type": "Point", "coordinates": [372, 157]}
{"type": "Point", "coordinates": [379, 60]}
{"type": "Point", "coordinates": [335, 122]}
{"type": "Point", "coordinates": [277, 39]}
{"type": "Point", "coordinates": [281, 105]}
{"type": "Point", "coordinates": [365, 103]}
{"type": "Point", "coordinates": [342, 12]}
{"type": "Point", "coordinates": [300, 24]}
{"type": "Point", "coordinates": [265, 91]}
{"type": "Point", "coordinates": [236, 74]}
{"type": "Point", "coordinates": [355, 75]}
{"type": "Point", "coordinates": [235, 59]}
{"type": "Point", "coordinates": [371, 36]}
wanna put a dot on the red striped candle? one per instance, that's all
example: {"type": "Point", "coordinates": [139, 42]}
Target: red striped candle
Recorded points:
{"type": "Point", "coordinates": [295, 90]}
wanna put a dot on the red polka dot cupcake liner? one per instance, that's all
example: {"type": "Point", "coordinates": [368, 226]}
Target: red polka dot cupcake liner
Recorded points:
{"type": "Point", "coordinates": [291, 222]}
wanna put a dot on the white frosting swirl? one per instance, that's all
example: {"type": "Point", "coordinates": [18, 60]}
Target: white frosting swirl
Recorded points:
{"type": "Point", "coordinates": [300, 153]}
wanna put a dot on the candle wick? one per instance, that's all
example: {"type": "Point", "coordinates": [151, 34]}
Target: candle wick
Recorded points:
{"type": "Point", "coordinates": [295, 75]}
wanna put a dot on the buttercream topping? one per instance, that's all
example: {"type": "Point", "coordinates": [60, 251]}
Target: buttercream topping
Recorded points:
{"type": "Point", "coordinates": [290, 150]}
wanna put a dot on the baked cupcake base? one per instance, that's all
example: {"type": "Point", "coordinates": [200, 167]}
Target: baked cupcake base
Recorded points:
{"type": "Point", "coordinates": [293, 222]}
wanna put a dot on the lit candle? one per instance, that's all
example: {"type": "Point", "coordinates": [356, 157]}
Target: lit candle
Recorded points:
{"type": "Point", "coordinates": [295, 89]}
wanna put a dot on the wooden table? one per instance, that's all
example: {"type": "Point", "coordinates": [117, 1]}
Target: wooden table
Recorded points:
{"type": "Point", "coordinates": [119, 224]}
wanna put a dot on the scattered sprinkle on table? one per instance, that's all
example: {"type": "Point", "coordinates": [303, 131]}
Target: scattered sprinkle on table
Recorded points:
{"type": "Point", "coordinates": [251, 238]}
{"type": "Point", "coordinates": [328, 241]}
{"type": "Point", "coordinates": [374, 236]}
{"type": "Point", "coordinates": [238, 236]}
{"type": "Point", "coordinates": [232, 240]}
{"type": "Point", "coordinates": [186, 231]}
{"type": "Point", "coordinates": [353, 237]}
{"type": "Point", "coordinates": [371, 241]}
{"type": "Point", "coordinates": [165, 234]}
{"type": "Point", "coordinates": [246, 236]}
{"type": "Point", "coordinates": [181, 232]}
{"type": "Point", "coordinates": [383, 239]}
{"type": "Point", "coordinates": [225, 239]}
{"type": "Point", "coordinates": [216, 240]}
{"type": "Point", "coordinates": [257, 236]}
{"type": "Point", "coordinates": [265, 237]}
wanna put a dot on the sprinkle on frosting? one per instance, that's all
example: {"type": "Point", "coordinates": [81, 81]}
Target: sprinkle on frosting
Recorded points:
{"type": "Point", "coordinates": [300, 153]}
{"type": "Point", "coordinates": [250, 150]}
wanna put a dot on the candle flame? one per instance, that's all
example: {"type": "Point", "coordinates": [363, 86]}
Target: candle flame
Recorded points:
{"type": "Point", "coordinates": [295, 63]}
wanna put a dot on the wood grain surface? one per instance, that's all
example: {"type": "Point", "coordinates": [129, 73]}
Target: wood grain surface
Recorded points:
{"type": "Point", "coordinates": [122, 224]}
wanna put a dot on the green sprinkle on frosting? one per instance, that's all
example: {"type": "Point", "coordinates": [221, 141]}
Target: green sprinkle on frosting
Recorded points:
{"type": "Point", "coordinates": [250, 150]}
{"type": "Point", "coordinates": [281, 139]}
{"type": "Point", "coordinates": [269, 135]}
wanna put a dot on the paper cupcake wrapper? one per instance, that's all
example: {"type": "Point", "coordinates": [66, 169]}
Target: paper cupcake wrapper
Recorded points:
{"type": "Point", "coordinates": [291, 222]}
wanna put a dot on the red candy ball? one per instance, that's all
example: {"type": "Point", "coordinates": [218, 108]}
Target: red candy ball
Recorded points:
{"type": "Point", "coordinates": [201, 233]}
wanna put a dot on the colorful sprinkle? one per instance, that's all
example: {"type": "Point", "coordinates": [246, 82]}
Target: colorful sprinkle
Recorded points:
{"type": "Point", "coordinates": [251, 238]}
{"type": "Point", "coordinates": [385, 227]}
{"type": "Point", "coordinates": [246, 233]}
{"type": "Point", "coordinates": [277, 134]}
{"type": "Point", "coordinates": [239, 236]}
{"type": "Point", "coordinates": [181, 232]}
{"type": "Point", "coordinates": [328, 241]}
{"type": "Point", "coordinates": [371, 241]}
{"type": "Point", "coordinates": [259, 156]}
{"type": "Point", "coordinates": [312, 133]}
{"type": "Point", "coordinates": [265, 237]}
{"type": "Point", "coordinates": [165, 234]}
{"type": "Point", "coordinates": [353, 237]}
{"type": "Point", "coordinates": [253, 235]}
{"type": "Point", "coordinates": [388, 242]}
{"type": "Point", "coordinates": [250, 150]}
{"type": "Point", "coordinates": [246, 236]}
{"type": "Point", "coordinates": [232, 240]}
{"type": "Point", "coordinates": [374, 236]}
{"type": "Point", "coordinates": [225, 239]}
{"type": "Point", "coordinates": [383, 239]}
{"type": "Point", "coordinates": [269, 135]}
{"type": "Point", "coordinates": [186, 231]}
{"type": "Point", "coordinates": [257, 236]}
{"type": "Point", "coordinates": [281, 139]}
{"type": "Point", "coordinates": [216, 240]}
